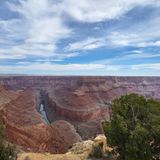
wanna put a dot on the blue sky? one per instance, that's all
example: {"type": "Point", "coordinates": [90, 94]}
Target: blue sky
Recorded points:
{"type": "Point", "coordinates": [87, 37]}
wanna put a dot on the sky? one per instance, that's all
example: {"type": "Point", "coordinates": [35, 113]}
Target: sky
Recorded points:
{"type": "Point", "coordinates": [85, 37]}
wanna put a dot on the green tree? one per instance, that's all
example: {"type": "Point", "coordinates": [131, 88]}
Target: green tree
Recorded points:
{"type": "Point", "coordinates": [134, 129]}
{"type": "Point", "coordinates": [7, 152]}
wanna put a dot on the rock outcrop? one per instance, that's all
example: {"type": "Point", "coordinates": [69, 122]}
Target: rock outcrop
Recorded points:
{"type": "Point", "coordinates": [79, 151]}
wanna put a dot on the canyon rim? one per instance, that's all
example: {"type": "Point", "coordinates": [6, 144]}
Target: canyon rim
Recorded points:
{"type": "Point", "coordinates": [75, 107]}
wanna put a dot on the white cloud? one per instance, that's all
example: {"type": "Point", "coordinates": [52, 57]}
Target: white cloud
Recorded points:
{"type": "Point", "coordinates": [29, 49]}
{"type": "Point", "coordinates": [48, 30]}
{"type": "Point", "coordinates": [39, 29]}
{"type": "Point", "coordinates": [44, 23]}
{"type": "Point", "coordinates": [152, 66]}
{"type": "Point", "coordinates": [118, 39]}
{"type": "Point", "coordinates": [42, 52]}
{"type": "Point", "coordinates": [87, 44]}
{"type": "Point", "coordinates": [100, 10]}
{"type": "Point", "coordinates": [32, 9]}
{"type": "Point", "coordinates": [25, 67]}
{"type": "Point", "coordinates": [123, 39]}
{"type": "Point", "coordinates": [140, 55]}
{"type": "Point", "coordinates": [129, 56]}
{"type": "Point", "coordinates": [141, 39]}
{"type": "Point", "coordinates": [149, 44]}
{"type": "Point", "coordinates": [5, 56]}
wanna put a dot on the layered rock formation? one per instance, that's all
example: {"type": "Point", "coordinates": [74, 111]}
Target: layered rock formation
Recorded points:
{"type": "Point", "coordinates": [26, 128]}
{"type": "Point", "coordinates": [85, 98]}
{"type": "Point", "coordinates": [82, 101]}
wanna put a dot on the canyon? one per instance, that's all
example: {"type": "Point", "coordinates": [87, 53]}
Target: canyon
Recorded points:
{"type": "Point", "coordinates": [75, 107]}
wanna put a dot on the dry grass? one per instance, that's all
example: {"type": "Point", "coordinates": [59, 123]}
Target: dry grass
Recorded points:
{"type": "Point", "coordinates": [47, 156]}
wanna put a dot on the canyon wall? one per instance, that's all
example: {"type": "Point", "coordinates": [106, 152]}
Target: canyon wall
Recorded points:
{"type": "Point", "coordinates": [25, 126]}
{"type": "Point", "coordinates": [85, 98]}
{"type": "Point", "coordinates": [82, 101]}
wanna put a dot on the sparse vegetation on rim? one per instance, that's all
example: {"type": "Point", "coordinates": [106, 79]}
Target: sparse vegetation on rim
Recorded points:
{"type": "Point", "coordinates": [7, 151]}
{"type": "Point", "coordinates": [134, 130]}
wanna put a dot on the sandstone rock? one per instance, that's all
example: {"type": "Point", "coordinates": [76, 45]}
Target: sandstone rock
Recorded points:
{"type": "Point", "coordinates": [85, 149]}
{"type": "Point", "coordinates": [7, 96]}
{"type": "Point", "coordinates": [79, 151]}
{"type": "Point", "coordinates": [85, 98]}
{"type": "Point", "coordinates": [102, 141]}
{"type": "Point", "coordinates": [26, 128]}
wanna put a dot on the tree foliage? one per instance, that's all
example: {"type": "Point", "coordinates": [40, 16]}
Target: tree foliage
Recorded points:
{"type": "Point", "coordinates": [134, 130]}
{"type": "Point", "coordinates": [7, 152]}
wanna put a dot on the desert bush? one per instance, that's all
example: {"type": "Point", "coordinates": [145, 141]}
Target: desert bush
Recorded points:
{"type": "Point", "coordinates": [7, 151]}
{"type": "Point", "coordinates": [134, 130]}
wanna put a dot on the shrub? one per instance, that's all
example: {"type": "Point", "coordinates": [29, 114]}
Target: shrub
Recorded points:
{"type": "Point", "coordinates": [134, 129]}
{"type": "Point", "coordinates": [7, 152]}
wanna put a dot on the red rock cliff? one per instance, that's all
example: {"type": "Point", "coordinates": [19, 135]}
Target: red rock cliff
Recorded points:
{"type": "Point", "coordinates": [26, 128]}
{"type": "Point", "coordinates": [84, 100]}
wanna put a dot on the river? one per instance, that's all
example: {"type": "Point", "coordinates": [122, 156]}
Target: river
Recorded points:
{"type": "Point", "coordinates": [43, 113]}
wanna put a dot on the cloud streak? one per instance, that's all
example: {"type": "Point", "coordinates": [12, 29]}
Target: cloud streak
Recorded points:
{"type": "Point", "coordinates": [96, 11]}
{"type": "Point", "coordinates": [151, 66]}
{"type": "Point", "coordinates": [25, 67]}
{"type": "Point", "coordinates": [90, 43]}
{"type": "Point", "coordinates": [129, 56]}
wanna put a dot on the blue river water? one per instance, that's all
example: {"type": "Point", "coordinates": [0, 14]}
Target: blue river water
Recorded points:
{"type": "Point", "coordinates": [43, 113]}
